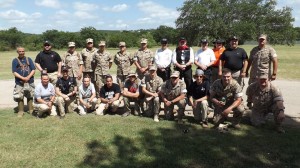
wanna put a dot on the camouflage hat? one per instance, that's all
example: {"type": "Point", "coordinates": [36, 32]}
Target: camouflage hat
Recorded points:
{"type": "Point", "coordinates": [144, 40]}
{"type": "Point", "coordinates": [89, 40]}
{"type": "Point", "coordinates": [262, 36]}
{"type": "Point", "coordinates": [71, 44]}
{"type": "Point", "coordinates": [132, 73]}
{"type": "Point", "coordinates": [175, 74]}
{"type": "Point", "coordinates": [122, 43]}
{"type": "Point", "coordinates": [152, 67]}
{"type": "Point", "coordinates": [101, 43]}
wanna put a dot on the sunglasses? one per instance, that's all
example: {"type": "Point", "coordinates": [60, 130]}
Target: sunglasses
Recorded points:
{"type": "Point", "coordinates": [200, 76]}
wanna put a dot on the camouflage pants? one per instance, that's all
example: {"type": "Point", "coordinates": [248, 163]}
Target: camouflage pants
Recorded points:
{"type": "Point", "coordinates": [20, 91]}
{"type": "Point", "coordinates": [121, 80]}
{"type": "Point", "coordinates": [127, 101]}
{"type": "Point", "coordinates": [104, 106]}
{"type": "Point", "coordinates": [99, 81]}
{"type": "Point", "coordinates": [259, 115]}
{"type": "Point", "coordinates": [169, 109]}
{"type": "Point", "coordinates": [201, 111]}
{"type": "Point", "coordinates": [151, 107]}
{"type": "Point", "coordinates": [65, 105]}
{"type": "Point", "coordinates": [237, 113]}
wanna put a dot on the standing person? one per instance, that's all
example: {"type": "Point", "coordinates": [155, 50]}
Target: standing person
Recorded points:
{"type": "Point", "coordinates": [87, 96]}
{"type": "Point", "coordinates": [44, 98]}
{"type": "Point", "coordinates": [131, 93]}
{"type": "Point", "coordinates": [66, 90]}
{"type": "Point", "coordinates": [226, 94]}
{"type": "Point", "coordinates": [73, 62]}
{"type": "Point", "coordinates": [173, 92]}
{"type": "Point", "coordinates": [151, 86]}
{"type": "Point", "coordinates": [183, 58]}
{"type": "Point", "coordinates": [261, 58]}
{"type": "Point", "coordinates": [198, 94]}
{"type": "Point", "coordinates": [109, 96]}
{"type": "Point", "coordinates": [143, 58]}
{"type": "Point", "coordinates": [163, 60]}
{"type": "Point", "coordinates": [218, 51]}
{"type": "Point", "coordinates": [123, 60]}
{"type": "Point", "coordinates": [204, 59]}
{"type": "Point", "coordinates": [263, 98]}
{"type": "Point", "coordinates": [87, 57]}
{"type": "Point", "coordinates": [235, 59]}
{"type": "Point", "coordinates": [48, 61]}
{"type": "Point", "coordinates": [102, 61]}
{"type": "Point", "coordinates": [23, 70]}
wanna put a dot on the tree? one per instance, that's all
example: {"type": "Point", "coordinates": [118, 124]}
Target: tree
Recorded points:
{"type": "Point", "coordinates": [243, 18]}
{"type": "Point", "coordinates": [12, 37]}
{"type": "Point", "coordinates": [165, 32]}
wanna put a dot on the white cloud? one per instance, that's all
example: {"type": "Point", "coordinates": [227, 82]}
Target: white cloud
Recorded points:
{"type": "Point", "coordinates": [117, 8]}
{"type": "Point", "coordinates": [7, 3]}
{"type": "Point", "coordinates": [61, 14]}
{"type": "Point", "coordinates": [84, 15]}
{"type": "Point", "coordinates": [48, 3]}
{"type": "Point", "coordinates": [157, 11]}
{"type": "Point", "coordinates": [84, 6]}
{"type": "Point", "coordinates": [18, 15]}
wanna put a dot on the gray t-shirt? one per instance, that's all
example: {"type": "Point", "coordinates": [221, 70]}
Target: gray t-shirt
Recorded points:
{"type": "Point", "coordinates": [86, 92]}
{"type": "Point", "coordinates": [43, 92]}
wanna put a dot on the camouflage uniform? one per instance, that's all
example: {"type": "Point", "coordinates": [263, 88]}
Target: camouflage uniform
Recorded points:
{"type": "Point", "coordinates": [87, 57]}
{"type": "Point", "coordinates": [101, 61]}
{"type": "Point", "coordinates": [133, 88]}
{"type": "Point", "coordinates": [73, 63]}
{"type": "Point", "coordinates": [264, 101]}
{"type": "Point", "coordinates": [151, 105]}
{"type": "Point", "coordinates": [171, 92]}
{"type": "Point", "coordinates": [230, 93]}
{"type": "Point", "coordinates": [144, 59]}
{"type": "Point", "coordinates": [123, 62]}
{"type": "Point", "coordinates": [261, 61]}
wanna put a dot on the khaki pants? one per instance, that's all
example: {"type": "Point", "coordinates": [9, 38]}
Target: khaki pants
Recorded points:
{"type": "Point", "coordinates": [20, 91]}
{"type": "Point", "coordinates": [43, 108]}
{"type": "Point", "coordinates": [238, 78]}
{"type": "Point", "coordinates": [53, 78]}
{"type": "Point", "coordinates": [104, 106]}
{"type": "Point", "coordinates": [65, 105]}
{"type": "Point", "coordinates": [83, 110]}
{"type": "Point", "coordinates": [201, 111]}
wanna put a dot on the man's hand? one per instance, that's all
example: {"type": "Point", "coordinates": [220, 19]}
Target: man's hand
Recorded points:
{"type": "Point", "coordinates": [226, 112]}
{"type": "Point", "coordinates": [281, 116]}
{"type": "Point", "coordinates": [168, 103]}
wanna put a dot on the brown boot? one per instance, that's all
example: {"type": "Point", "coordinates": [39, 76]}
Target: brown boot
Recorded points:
{"type": "Point", "coordinates": [21, 108]}
{"type": "Point", "coordinates": [30, 105]}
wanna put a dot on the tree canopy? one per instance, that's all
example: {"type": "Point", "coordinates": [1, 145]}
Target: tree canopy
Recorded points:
{"type": "Point", "coordinates": [243, 18]}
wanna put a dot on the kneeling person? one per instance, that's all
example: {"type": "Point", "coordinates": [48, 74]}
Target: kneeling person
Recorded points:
{"type": "Point", "coordinates": [109, 96]}
{"type": "Point", "coordinates": [198, 93]}
{"type": "Point", "coordinates": [87, 96]}
{"type": "Point", "coordinates": [66, 88]}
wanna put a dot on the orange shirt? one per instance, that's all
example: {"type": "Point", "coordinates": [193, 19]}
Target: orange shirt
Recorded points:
{"type": "Point", "coordinates": [218, 53]}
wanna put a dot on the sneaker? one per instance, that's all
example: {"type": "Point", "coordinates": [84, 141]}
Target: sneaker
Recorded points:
{"type": "Point", "coordinates": [126, 114]}
{"type": "Point", "coordinates": [156, 118]}
{"type": "Point", "coordinates": [280, 130]}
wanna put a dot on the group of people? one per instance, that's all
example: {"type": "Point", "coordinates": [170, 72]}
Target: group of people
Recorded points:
{"type": "Point", "coordinates": [81, 81]}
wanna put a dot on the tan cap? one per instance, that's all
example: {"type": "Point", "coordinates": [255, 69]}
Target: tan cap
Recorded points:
{"type": "Point", "coordinates": [89, 40]}
{"type": "Point", "coordinates": [262, 36]}
{"type": "Point", "coordinates": [102, 43]}
{"type": "Point", "coordinates": [144, 40]}
{"type": "Point", "coordinates": [152, 67]}
{"type": "Point", "coordinates": [132, 73]}
{"type": "Point", "coordinates": [71, 44]}
{"type": "Point", "coordinates": [122, 43]}
{"type": "Point", "coordinates": [175, 74]}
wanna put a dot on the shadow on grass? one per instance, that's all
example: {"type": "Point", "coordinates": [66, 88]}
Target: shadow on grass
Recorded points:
{"type": "Point", "coordinates": [174, 147]}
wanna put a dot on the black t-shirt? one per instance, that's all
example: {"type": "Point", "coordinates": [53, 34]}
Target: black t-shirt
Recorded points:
{"type": "Point", "coordinates": [65, 85]}
{"type": "Point", "coordinates": [48, 60]}
{"type": "Point", "coordinates": [198, 91]}
{"type": "Point", "coordinates": [109, 93]}
{"type": "Point", "coordinates": [234, 58]}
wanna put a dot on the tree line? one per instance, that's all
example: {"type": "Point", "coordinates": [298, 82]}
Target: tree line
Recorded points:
{"type": "Point", "coordinates": [198, 19]}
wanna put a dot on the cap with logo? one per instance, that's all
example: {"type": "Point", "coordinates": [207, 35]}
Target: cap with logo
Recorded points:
{"type": "Point", "coordinates": [204, 41]}
{"type": "Point", "coordinates": [234, 38]}
{"type": "Point", "coordinates": [47, 42]}
{"type": "Point", "coordinates": [182, 39]}
{"type": "Point", "coordinates": [71, 44]}
{"type": "Point", "coordinates": [164, 41]}
{"type": "Point", "coordinates": [89, 40]}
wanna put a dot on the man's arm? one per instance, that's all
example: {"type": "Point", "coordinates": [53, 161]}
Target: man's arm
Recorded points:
{"type": "Point", "coordinates": [38, 66]}
{"type": "Point", "coordinates": [126, 93]}
{"type": "Point", "coordinates": [244, 70]}
{"type": "Point", "coordinates": [236, 103]}
{"type": "Point", "coordinates": [275, 66]}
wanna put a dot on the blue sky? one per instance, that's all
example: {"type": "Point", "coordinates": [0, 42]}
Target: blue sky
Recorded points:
{"type": "Point", "coordinates": [37, 16]}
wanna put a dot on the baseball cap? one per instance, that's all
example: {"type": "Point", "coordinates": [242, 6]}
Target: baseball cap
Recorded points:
{"type": "Point", "coordinates": [71, 44]}
{"type": "Point", "coordinates": [132, 73]}
{"type": "Point", "coordinates": [262, 36]}
{"type": "Point", "coordinates": [175, 74]}
{"type": "Point", "coordinates": [164, 41]}
{"type": "Point", "coordinates": [234, 38]}
{"type": "Point", "coordinates": [199, 72]}
{"type": "Point", "coordinates": [47, 42]}
{"type": "Point", "coordinates": [102, 43]}
{"type": "Point", "coordinates": [204, 41]}
{"type": "Point", "coordinates": [263, 75]}
{"type": "Point", "coordinates": [89, 40]}
{"type": "Point", "coordinates": [152, 67]}
{"type": "Point", "coordinates": [64, 68]}
{"type": "Point", "coordinates": [218, 41]}
{"type": "Point", "coordinates": [144, 40]}
{"type": "Point", "coordinates": [122, 43]}
{"type": "Point", "coordinates": [182, 39]}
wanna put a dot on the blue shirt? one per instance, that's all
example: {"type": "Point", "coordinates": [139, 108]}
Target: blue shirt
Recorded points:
{"type": "Point", "coordinates": [16, 67]}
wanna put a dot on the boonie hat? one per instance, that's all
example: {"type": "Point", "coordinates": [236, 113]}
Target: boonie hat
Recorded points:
{"type": "Point", "coordinates": [262, 36]}
{"type": "Point", "coordinates": [102, 43]}
{"type": "Point", "coordinates": [122, 43]}
{"type": "Point", "coordinates": [71, 44]}
{"type": "Point", "coordinates": [152, 67]}
{"type": "Point", "coordinates": [89, 40]}
{"type": "Point", "coordinates": [144, 40]}
{"type": "Point", "coordinates": [175, 74]}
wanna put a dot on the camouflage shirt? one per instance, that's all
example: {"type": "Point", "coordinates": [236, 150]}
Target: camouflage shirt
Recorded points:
{"type": "Point", "coordinates": [171, 92]}
{"type": "Point", "coordinates": [152, 85]}
{"type": "Point", "coordinates": [123, 62]}
{"type": "Point", "coordinates": [87, 57]}
{"type": "Point", "coordinates": [72, 62]}
{"type": "Point", "coordinates": [102, 61]}
{"type": "Point", "coordinates": [144, 58]}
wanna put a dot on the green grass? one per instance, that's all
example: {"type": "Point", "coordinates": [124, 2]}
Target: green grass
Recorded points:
{"type": "Point", "coordinates": [112, 141]}
{"type": "Point", "coordinates": [288, 60]}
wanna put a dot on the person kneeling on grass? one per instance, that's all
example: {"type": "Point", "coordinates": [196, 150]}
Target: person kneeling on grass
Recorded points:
{"type": "Point", "coordinates": [66, 88]}
{"type": "Point", "coordinates": [198, 93]}
{"type": "Point", "coordinates": [264, 97]}
{"type": "Point", "coordinates": [44, 97]}
{"type": "Point", "coordinates": [87, 96]}
{"type": "Point", "coordinates": [109, 96]}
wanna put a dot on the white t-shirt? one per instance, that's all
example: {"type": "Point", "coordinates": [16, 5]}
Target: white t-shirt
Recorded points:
{"type": "Point", "coordinates": [205, 57]}
{"type": "Point", "coordinates": [163, 58]}
{"type": "Point", "coordinates": [86, 92]}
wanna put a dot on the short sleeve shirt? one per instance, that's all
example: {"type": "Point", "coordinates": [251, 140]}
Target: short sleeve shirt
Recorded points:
{"type": "Point", "coordinates": [102, 61]}
{"type": "Point", "coordinates": [123, 62]}
{"type": "Point", "coordinates": [144, 57]}
{"type": "Point", "coordinates": [23, 71]}
{"type": "Point", "coordinates": [109, 93]}
{"type": "Point", "coordinates": [66, 85]}
{"type": "Point", "coordinates": [152, 85]}
{"type": "Point", "coordinates": [198, 91]}
{"type": "Point", "coordinates": [205, 57]}
{"type": "Point", "coordinates": [132, 87]}
{"type": "Point", "coordinates": [171, 92]}
{"type": "Point", "coordinates": [230, 92]}
{"type": "Point", "coordinates": [86, 92]}
{"type": "Point", "coordinates": [87, 57]}
{"type": "Point", "coordinates": [73, 62]}
{"type": "Point", "coordinates": [44, 92]}
{"type": "Point", "coordinates": [49, 60]}
{"type": "Point", "coordinates": [234, 58]}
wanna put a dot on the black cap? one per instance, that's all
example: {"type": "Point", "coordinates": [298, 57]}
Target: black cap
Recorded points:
{"type": "Point", "coordinates": [218, 41]}
{"type": "Point", "coordinates": [234, 38]}
{"type": "Point", "coordinates": [64, 68]}
{"type": "Point", "coordinates": [204, 41]}
{"type": "Point", "coordinates": [182, 39]}
{"type": "Point", "coordinates": [164, 41]}
{"type": "Point", "coordinates": [47, 42]}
